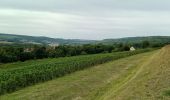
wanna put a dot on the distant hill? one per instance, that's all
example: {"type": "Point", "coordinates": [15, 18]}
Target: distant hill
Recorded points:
{"type": "Point", "coordinates": [151, 39]}
{"type": "Point", "coordinates": [9, 38]}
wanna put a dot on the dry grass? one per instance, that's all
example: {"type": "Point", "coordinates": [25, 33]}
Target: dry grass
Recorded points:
{"type": "Point", "coordinates": [153, 83]}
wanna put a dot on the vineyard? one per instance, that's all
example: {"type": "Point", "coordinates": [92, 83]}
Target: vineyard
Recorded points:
{"type": "Point", "coordinates": [16, 78]}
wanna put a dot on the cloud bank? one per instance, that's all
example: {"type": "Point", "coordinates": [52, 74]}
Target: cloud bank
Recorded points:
{"type": "Point", "coordinates": [90, 19]}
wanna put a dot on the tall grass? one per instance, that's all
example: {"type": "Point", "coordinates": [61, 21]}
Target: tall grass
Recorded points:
{"type": "Point", "coordinates": [19, 77]}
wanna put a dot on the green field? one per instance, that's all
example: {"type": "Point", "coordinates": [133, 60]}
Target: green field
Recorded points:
{"type": "Point", "coordinates": [139, 77]}
{"type": "Point", "coordinates": [13, 77]}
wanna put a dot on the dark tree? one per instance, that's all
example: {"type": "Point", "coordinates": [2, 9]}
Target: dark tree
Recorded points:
{"type": "Point", "coordinates": [40, 53]}
{"type": "Point", "coordinates": [145, 44]}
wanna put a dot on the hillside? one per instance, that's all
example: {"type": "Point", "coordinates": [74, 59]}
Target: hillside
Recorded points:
{"type": "Point", "coordinates": [89, 84]}
{"type": "Point", "coordinates": [140, 77]}
{"type": "Point", "coordinates": [15, 76]}
{"type": "Point", "coordinates": [9, 38]}
{"type": "Point", "coordinates": [152, 83]}
{"type": "Point", "coordinates": [151, 39]}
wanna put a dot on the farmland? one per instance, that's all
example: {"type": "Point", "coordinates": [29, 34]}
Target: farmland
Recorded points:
{"type": "Point", "coordinates": [12, 79]}
{"type": "Point", "coordinates": [127, 76]}
{"type": "Point", "coordinates": [84, 50]}
{"type": "Point", "coordinates": [88, 84]}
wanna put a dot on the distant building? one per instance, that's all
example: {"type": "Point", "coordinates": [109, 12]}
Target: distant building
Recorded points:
{"type": "Point", "coordinates": [28, 49]}
{"type": "Point", "coordinates": [53, 45]}
{"type": "Point", "coordinates": [132, 49]}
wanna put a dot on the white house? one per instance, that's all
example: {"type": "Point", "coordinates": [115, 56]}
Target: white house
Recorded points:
{"type": "Point", "coordinates": [132, 49]}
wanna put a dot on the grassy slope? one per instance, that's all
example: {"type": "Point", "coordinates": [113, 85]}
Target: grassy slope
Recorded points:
{"type": "Point", "coordinates": [152, 83]}
{"type": "Point", "coordinates": [91, 83]}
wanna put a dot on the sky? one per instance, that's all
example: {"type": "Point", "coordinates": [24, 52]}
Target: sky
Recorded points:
{"type": "Point", "coordinates": [85, 19]}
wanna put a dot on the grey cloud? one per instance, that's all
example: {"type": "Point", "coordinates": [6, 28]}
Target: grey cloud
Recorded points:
{"type": "Point", "coordinates": [86, 5]}
{"type": "Point", "coordinates": [85, 19]}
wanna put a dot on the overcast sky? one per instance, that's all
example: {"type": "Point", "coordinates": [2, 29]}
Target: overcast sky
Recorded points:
{"type": "Point", "coordinates": [85, 19]}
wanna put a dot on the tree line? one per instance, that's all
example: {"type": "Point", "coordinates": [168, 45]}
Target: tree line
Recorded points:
{"type": "Point", "coordinates": [13, 54]}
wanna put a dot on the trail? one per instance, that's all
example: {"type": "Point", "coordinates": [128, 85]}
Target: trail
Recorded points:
{"type": "Point", "coordinates": [116, 88]}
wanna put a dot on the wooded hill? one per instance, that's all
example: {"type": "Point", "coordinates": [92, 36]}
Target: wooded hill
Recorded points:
{"type": "Point", "coordinates": [9, 38]}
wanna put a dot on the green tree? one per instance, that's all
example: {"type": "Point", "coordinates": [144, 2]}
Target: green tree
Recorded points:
{"type": "Point", "coordinates": [145, 44]}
